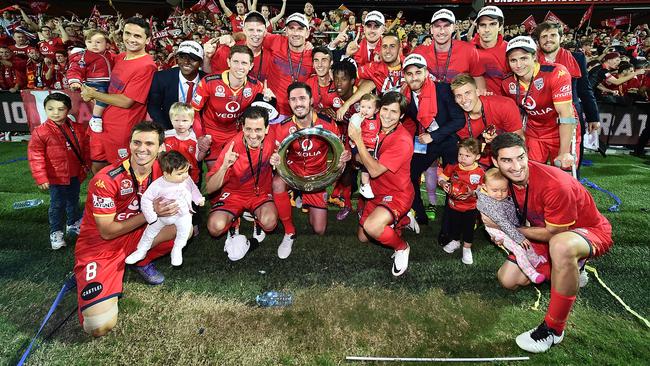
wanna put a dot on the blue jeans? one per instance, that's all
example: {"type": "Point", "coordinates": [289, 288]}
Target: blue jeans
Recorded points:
{"type": "Point", "coordinates": [101, 86]}
{"type": "Point", "coordinates": [64, 198]}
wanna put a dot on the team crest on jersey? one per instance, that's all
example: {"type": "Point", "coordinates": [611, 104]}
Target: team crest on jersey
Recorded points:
{"type": "Point", "coordinates": [197, 99]}
{"type": "Point", "coordinates": [220, 91]}
{"type": "Point", "coordinates": [232, 106]}
{"type": "Point", "coordinates": [474, 178]}
{"type": "Point", "coordinates": [337, 102]}
{"type": "Point", "coordinates": [512, 88]}
{"type": "Point", "coordinates": [190, 149]}
{"type": "Point", "coordinates": [123, 153]}
{"type": "Point", "coordinates": [371, 126]}
{"type": "Point", "coordinates": [247, 92]}
{"type": "Point", "coordinates": [126, 187]}
{"type": "Point", "coordinates": [560, 73]}
{"type": "Point", "coordinates": [292, 129]}
{"type": "Point", "coordinates": [539, 83]}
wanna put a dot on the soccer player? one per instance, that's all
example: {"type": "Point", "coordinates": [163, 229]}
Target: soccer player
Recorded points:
{"type": "Point", "coordinates": [306, 156]}
{"type": "Point", "coordinates": [322, 83]}
{"type": "Point", "coordinates": [544, 94]}
{"type": "Point", "coordinates": [389, 172]}
{"type": "Point", "coordinates": [368, 50]}
{"type": "Point", "coordinates": [126, 98]}
{"type": "Point", "coordinates": [491, 47]}
{"type": "Point", "coordinates": [112, 226]}
{"type": "Point", "coordinates": [563, 216]}
{"type": "Point", "coordinates": [242, 175]}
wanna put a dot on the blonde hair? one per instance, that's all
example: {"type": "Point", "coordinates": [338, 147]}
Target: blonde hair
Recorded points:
{"type": "Point", "coordinates": [462, 79]}
{"type": "Point", "coordinates": [371, 97]}
{"type": "Point", "coordinates": [179, 108]}
{"type": "Point", "coordinates": [494, 174]}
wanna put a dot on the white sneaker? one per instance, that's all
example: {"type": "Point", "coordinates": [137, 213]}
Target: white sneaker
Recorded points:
{"type": "Point", "coordinates": [539, 339]}
{"type": "Point", "coordinates": [583, 279]}
{"type": "Point", "coordinates": [452, 246]}
{"type": "Point", "coordinates": [236, 246]}
{"type": "Point", "coordinates": [258, 233]}
{"type": "Point", "coordinates": [177, 256]}
{"type": "Point", "coordinates": [298, 202]}
{"type": "Point", "coordinates": [56, 240]}
{"type": "Point", "coordinates": [248, 216]}
{"type": "Point", "coordinates": [136, 256]}
{"type": "Point", "coordinates": [400, 261]}
{"type": "Point", "coordinates": [467, 256]}
{"type": "Point", "coordinates": [413, 224]}
{"type": "Point", "coordinates": [366, 191]}
{"type": "Point", "coordinates": [95, 124]}
{"type": "Point", "coordinates": [74, 228]}
{"type": "Point", "coordinates": [284, 250]}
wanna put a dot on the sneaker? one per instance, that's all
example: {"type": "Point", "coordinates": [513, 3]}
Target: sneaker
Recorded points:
{"type": "Point", "coordinates": [176, 256]}
{"type": "Point", "coordinates": [150, 274]}
{"type": "Point", "coordinates": [583, 279]}
{"type": "Point", "coordinates": [284, 250]}
{"type": "Point", "coordinates": [236, 246]}
{"type": "Point", "coordinates": [400, 261]}
{"type": "Point", "coordinates": [136, 256]}
{"type": "Point", "coordinates": [248, 216]}
{"type": "Point", "coordinates": [74, 228]}
{"type": "Point", "coordinates": [56, 240]}
{"type": "Point", "coordinates": [258, 233]}
{"type": "Point", "coordinates": [538, 340]}
{"type": "Point", "coordinates": [298, 202]}
{"type": "Point", "coordinates": [413, 224]}
{"type": "Point", "coordinates": [431, 212]}
{"type": "Point", "coordinates": [467, 256]}
{"type": "Point", "coordinates": [343, 213]}
{"type": "Point", "coordinates": [336, 201]}
{"type": "Point", "coordinates": [452, 246]}
{"type": "Point", "coordinates": [95, 124]}
{"type": "Point", "coordinates": [366, 191]}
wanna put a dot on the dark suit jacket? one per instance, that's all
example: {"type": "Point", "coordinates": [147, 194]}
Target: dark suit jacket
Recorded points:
{"type": "Point", "coordinates": [583, 93]}
{"type": "Point", "coordinates": [164, 93]}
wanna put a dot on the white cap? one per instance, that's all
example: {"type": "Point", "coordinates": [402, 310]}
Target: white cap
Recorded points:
{"type": "Point", "coordinates": [524, 42]}
{"type": "Point", "coordinates": [414, 59]}
{"type": "Point", "coordinates": [299, 18]}
{"type": "Point", "coordinates": [190, 48]}
{"type": "Point", "coordinates": [444, 14]}
{"type": "Point", "coordinates": [375, 16]}
{"type": "Point", "coordinates": [490, 11]}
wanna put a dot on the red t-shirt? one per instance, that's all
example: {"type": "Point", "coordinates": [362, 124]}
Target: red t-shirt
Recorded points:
{"type": "Point", "coordinates": [282, 72]}
{"type": "Point", "coordinates": [20, 51]}
{"type": "Point", "coordinates": [494, 61]}
{"type": "Point", "coordinates": [47, 48]}
{"type": "Point", "coordinates": [261, 62]}
{"type": "Point", "coordinates": [14, 74]}
{"type": "Point", "coordinates": [386, 79]}
{"type": "Point", "coordinates": [239, 178]}
{"type": "Point", "coordinates": [556, 198]}
{"type": "Point", "coordinates": [463, 58]}
{"type": "Point", "coordinates": [499, 111]}
{"type": "Point", "coordinates": [131, 78]}
{"type": "Point", "coordinates": [551, 84]}
{"type": "Point", "coordinates": [221, 105]}
{"type": "Point", "coordinates": [471, 176]}
{"type": "Point", "coordinates": [394, 151]}
{"type": "Point", "coordinates": [112, 191]}
{"type": "Point", "coordinates": [324, 96]}
{"type": "Point", "coordinates": [564, 58]}
{"type": "Point", "coordinates": [236, 23]}
{"type": "Point", "coordinates": [187, 146]}
{"type": "Point", "coordinates": [307, 155]}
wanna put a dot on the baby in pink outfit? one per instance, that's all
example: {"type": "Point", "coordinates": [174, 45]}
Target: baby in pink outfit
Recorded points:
{"type": "Point", "coordinates": [175, 184]}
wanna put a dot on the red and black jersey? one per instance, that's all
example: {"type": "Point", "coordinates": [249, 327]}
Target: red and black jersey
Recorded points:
{"type": "Point", "coordinates": [564, 58]}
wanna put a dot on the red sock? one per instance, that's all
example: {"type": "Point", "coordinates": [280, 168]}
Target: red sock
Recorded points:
{"type": "Point", "coordinates": [347, 195]}
{"type": "Point", "coordinates": [558, 310]}
{"type": "Point", "coordinates": [336, 191]}
{"type": "Point", "coordinates": [390, 238]}
{"type": "Point", "coordinates": [156, 252]}
{"type": "Point", "coordinates": [284, 211]}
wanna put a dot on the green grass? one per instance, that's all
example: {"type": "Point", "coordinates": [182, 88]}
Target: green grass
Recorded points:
{"type": "Point", "coordinates": [345, 300]}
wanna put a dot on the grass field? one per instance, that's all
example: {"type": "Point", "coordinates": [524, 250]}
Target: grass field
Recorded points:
{"type": "Point", "coordinates": [346, 302]}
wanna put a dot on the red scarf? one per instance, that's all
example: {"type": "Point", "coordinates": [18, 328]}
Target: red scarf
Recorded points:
{"type": "Point", "coordinates": [427, 106]}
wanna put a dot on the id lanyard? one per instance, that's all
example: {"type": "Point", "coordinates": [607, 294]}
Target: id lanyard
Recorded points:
{"type": "Point", "coordinates": [76, 147]}
{"type": "Point", "coordinates": [520, 103]}
{"type": "Point", "coordinates": [259, 167]}
{"type": "Point", "coordinates": [521, 214]}
{"type": "Point", "coordinates": [259, 71]}
{"type": "Point", "coordinates": [296, 75]}
{"type": "Point", "coordinates": [469, 122]}
{"type": "Point", "coordinates": [379, 143]}
{"type": "Point", "coordinates": [136, 185]}
{"type": "Point", "coordinates": [444, 79]}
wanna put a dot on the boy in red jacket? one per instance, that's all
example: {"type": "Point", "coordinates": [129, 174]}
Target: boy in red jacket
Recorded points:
{"type": "Point", "coordinates": [59, 159]}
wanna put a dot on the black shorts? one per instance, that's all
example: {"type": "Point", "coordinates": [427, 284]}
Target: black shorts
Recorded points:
{"type": "Point", "coordinates": [461, 224]}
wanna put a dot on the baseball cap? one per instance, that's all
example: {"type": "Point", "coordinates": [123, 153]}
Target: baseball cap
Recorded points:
{"type": "Point", "coordinates": [254, 15]}
{"type": "Point", "coordinates": [375, 16]}
{"type": "Point", "coordinates": [444, 14]}
{"type": "Point", "coordinates": [298, 18]}
{"type": "Point", "coordinates": [524, 42]}
{"type": "Point", "coordinates": [415, 60]}
{"type": "Point", "coordinates": [490, 11]}
{"type": "Point", "coordinates": [191, 48]}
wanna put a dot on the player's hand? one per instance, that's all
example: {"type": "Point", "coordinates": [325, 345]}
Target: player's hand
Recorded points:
{"type": "Point", "coordinates": [75, 86]}
{"type": "Point", "coordinates": [353, 47]}
{"type": "Point", "coordinates": [425, 138]}
{"type": "Point", "coordinates": [309, 46]}
{"type": "Point", "coordinates": [593, 126]}
{"type": "Point", "coordinates": [204, 143]}
{"type": "Point", "coordinates": [163, 207]}
{"type": "Point", "coordinates": [564, 161]}
{"type": "Point", "coordinates": [427, 42]}
{"type": "Point", "coordinates": [87, 93]}
{"type": "Point", "coordinates": [354, 132]}
{"type": "Point", "coordinates": [340, 113]}
{"type": "Point", "coordinates": [341, 38]}
{"type": "Point", "coordinates": [345, 157]}
{"type": "Point", "coordinates": [231, 157]}
{"type": "Point", "coordinates": [268, 93]}
{"type": "Point", "coordinates": [463, 197]}
{"type": "Point", "coordinates": [45, 186]}
{"type": "Point", "coordinates": [489, 136]}
{"type": "Point", "coordinates": [399, 14]}
{"type": "Point", "coordinates": [445, 186]}
{"type": "Point", "coordinates": [227, 39]}
{"type": "Point", "coordinates": [210, 47]}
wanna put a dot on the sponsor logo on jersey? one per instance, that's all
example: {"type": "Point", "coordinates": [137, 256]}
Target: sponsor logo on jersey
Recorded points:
{"type": "Point", "coordinates": [474, 178]}
{"type": "Point", "coordinates": [103, 202]}
{"type": "Point", "coordinates": [512, 88]}
{"type": "Point", "coordinates": [541, 112]}
{"type": "Point", "coordinates": [91, 291]}
{"type": "Point", "coordinates": [126, 187]}
{"type": "Point", "coordinates": [529, 103]}
{"type": "Point", "coordinates": [565, 88]}
{"type": "Point", "coordinates": [100, 184]}
{"type": "Point", "coordinates": [560, 73]}
{"type": "Point", "coordinates": [247, 93]}
{"type": "Point", "coordinates": [232, 106]}
{"type": "Point", "coordinates": [307, 144]}
{"type": "Point", "coordinates": [539, 83]}
{"type": "Point", "coordinates": [122, 153]}
{"type": "Point", "coordinates": [387, 199]}
{"type": "Point", "coordinates": [197, 99]}
{"type": "Point", "coordinates": [134, 205]}
{"type": "Point", "coordinates": [220, 91]}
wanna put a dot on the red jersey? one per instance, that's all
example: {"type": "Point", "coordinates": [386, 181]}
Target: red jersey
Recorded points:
{"type": "Point", "coordinates": [236, 23]}
{"type": "Point", "coordinates": [307, 155]}
{"type": "Point", "coordinates": [47, 48]}
{"type": "Point", "coordinates": [221, 105]}
{"type": "Point", "coordinates": [261, 62]}
{"type": "Point", "coordinates": [555, 198]}
{"type": "Point", "coordinates": [187, 146]}
{"type": "Point", "coordinates": [460, 58]}
{"type": "Point", "coordinates": [286, 66]}
{"type": "Point", "coordinates": [499, 111]}
{"type": "Point", "coordinates": [386, 78]}
{"type": "Point", "coordinates": [367, 55]}
{"type": "Point", "coordinates": [370, 131]}
{"type": "Point", "coordinates": [323, 96]}
{"type": "Point", "coordinates": [630, 84]}
{"type": "Point", "coordinates": [494, 61]}
{"type": "Point", "coordinates": [20, 51]}
{"type": "Point", "coordinates": [394, 151]}
{"type": "Point", "coordinates": [243, 176]}
{"type": "Point", "coordinates": [113, 191]}
{"type": "Point", "coordinates": [471, 176]}
{"type": "Point", "coordinates": [35, 75]}
{"type": "Point", "coordinates": [551, 84]}
{"type": "Point", "coordinates": [564, 58]}
{"type": "Point", "coordinates": [12, 75]}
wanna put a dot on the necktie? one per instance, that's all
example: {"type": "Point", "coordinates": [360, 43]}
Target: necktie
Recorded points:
{"type": "Point", "coordinates": [190, 89]}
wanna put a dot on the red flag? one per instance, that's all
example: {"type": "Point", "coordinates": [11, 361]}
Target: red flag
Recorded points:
{"type": "Point", "coordinates": [530, 24]}
{"type": "Point", "coordinates": [213, 7]}
{"type": "Point", "coordinates": [587, 16]}
{"type": "Point", "coordinates": [551, 17]}
{"type": "Point", "coordinates": [198, 6]}
{"type": "Point", "coordinates": [344, 10]}
{"type": "Point", "coordinates": [39, 7]}
{"type": "Point", "coordinates": [8, 8]}
{"type": "Point", "coordinates": [615, 22]}
{"type": "Point", "coordinates": [94, 13]}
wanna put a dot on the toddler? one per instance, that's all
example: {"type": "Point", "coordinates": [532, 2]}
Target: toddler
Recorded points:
{"type": "Point", "coordinates": [369, 125]}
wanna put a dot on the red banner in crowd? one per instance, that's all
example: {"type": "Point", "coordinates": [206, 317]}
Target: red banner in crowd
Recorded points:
{"type": "Point", "coordinates": [587, 16]}
{"type": "Point", "coordinates": [551, 17]}
{"type": "Point", "coordinates": [615, 22]}
{"type": "Point", "coordinates": [530, 24]}
{"type": "Point", "coordinates": [35, 111]}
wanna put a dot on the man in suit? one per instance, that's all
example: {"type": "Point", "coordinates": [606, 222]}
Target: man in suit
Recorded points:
{"type": "Point", "coordinates": [177, 84]}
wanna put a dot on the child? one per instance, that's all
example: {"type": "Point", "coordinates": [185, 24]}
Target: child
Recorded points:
{"type": "Point", "coordinates": [59, 158]}
{"type": "Point", "coordinates": [460, 181]}
{"type": "Point", "coordinates": [175, 184]}
{"type": "Point", "coordinates": [369, 125]}
{"type": "Point", "coordinates": [494, 202]}
{"type": "Point", "coordinates": [182, 138]}
{"type": "Point", "coordinates": [92, 67]}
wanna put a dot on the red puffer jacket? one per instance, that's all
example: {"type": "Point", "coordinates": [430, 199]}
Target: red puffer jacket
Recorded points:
{"type": "Point", "coordinates": [89, 66]}
{"type": "Point", "coordinates": [51, 158]}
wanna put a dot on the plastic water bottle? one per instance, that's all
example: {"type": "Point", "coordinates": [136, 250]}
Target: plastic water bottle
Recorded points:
{"type": "Point", "coordinates": [28, 204]}
{"type": "Point", "coordinates": [274, 299]}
